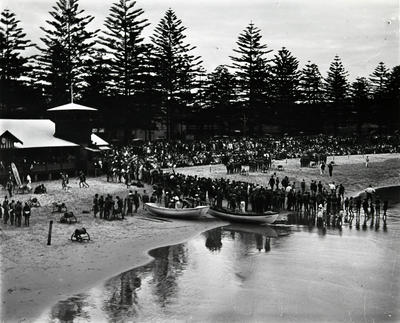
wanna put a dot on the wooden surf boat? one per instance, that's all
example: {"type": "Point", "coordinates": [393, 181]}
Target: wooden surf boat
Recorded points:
{"type": "Point", "coordinates": [268, 217]}
{"type": "Point", "coordinates": [185, 213]}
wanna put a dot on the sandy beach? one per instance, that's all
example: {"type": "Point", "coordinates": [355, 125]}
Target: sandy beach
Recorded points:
{"type": "Point", "coordinates": [34, 275]}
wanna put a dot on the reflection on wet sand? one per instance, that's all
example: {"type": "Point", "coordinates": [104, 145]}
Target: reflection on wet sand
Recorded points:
{"type": "Point", "coordinates": [122, 300]}
{"type": "Point", "coordinates": [68, 310]}
{"type": "Point", "coordinates": [168, 265]}
{"type": "Point", "coordinates": [214, 239]}
{"type": "Point", "coordinates": [305, 272]}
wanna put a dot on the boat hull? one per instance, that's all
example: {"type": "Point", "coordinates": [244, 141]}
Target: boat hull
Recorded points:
{"type": "Point", "coordinates": [236, 218]}
{"type": "Point", "coordinates": [189, 213]}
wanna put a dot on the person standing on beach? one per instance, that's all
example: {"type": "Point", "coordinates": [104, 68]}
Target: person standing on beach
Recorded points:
{"type": "Point", "coordinates": [129, 203]}
{"type": "Point", "coordinates": [96, 205]}
{"type": "Point", "coordinates": [107, 207]}
{"type": "Point", "coordinates": [272, 182]}
{"type": "Point", "coordinates": [322, 168]}
{"type": "Point", "coordinates": [366, 161]}
{"type": "Point", "coordinates": [27, 214]}
{"type": "Point", "coordinates": [6, 209]}
{"type": "Point", "coordinates": [378, 208]}
{"type": "Point", "coordinates": [9, 187]}
{"type": "Point", "coordinates": [136, 200]}
{"type": "Point", "coordinates": [12, 212]}
{"type": "Point", "coordinates": [63, 184]}
{"type": "Point", "coordinates": [385, 207]}
{"type": "Point", "coordinates": [145, 198]}
{"type": "Point", "coordinates": [120, 207]}
{"type": "Point", "coordinates": [101, 206]}
{"type": "Point", "coordinates": [346, 209]}
{"type": "Point", "coordinates": [82, 180]}
{"type": "Point", "coordinates": [330, 169]}
{"type": "Point", "coordinates": [320, 216]}
{"type": "Point", "coordinates": [18, 214]}
{"type": "Point", "coordinates": [351, 213]}
{"type": "Point", "coordinates": [320, 186]}
{"type": "Point", "coordinates": [303, 186]}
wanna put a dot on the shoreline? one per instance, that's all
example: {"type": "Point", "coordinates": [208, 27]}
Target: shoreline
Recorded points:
{"type": "Point", "coordinates": [70, 268]}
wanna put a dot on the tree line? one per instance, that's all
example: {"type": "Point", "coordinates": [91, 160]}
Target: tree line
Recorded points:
{"type": "Point", "coordinates": [135, 83]}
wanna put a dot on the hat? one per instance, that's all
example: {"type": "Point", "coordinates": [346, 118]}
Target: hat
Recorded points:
{"type": "Point", "coordinates": [320, 206]}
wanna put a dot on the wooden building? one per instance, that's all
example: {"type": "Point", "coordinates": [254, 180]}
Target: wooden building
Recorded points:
{"type": "Point", "coordinates": [43, 148]}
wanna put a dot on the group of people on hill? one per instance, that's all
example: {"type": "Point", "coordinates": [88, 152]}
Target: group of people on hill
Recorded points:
{"type": "Point", "coordinates": [12, 211]}
{"type": "Point", "coordinates": [133, 162]}
{"type": "Point", "coordinates": [110, 208]}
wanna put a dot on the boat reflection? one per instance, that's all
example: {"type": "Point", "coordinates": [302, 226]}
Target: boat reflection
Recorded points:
{"type": "Point", "coordinates": [158, 286]}
{"type": "Point", "coordinates": [214, 239]}
{"type": "Point", "coordinates": [169, 264]}
{"type": "Point", "coordinates": [68, 310]}
{"type": "Point", "coordinates": [122, 300]}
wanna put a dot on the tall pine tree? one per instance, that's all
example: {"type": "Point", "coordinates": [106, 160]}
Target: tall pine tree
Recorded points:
{"type": "Point", "coordinates": [311, 85]}
{"type": "Point", "coordinates": [220, 95]}
{"type": "Point", "coordinates": [175, 66]}
{"type": "Point", "coordinates": [123, 41]}
{"type": "Point", "coordinates": [13, 65]}
{"type": "Point", "coordinates": [285, 77]}
{"type": "Point", "coordinates": [337, 89]}
{"type": "Point", "coordinates": [360, 97]}
{"type": "Point", "coordinates": [336, 82]}
{"type": "Point", "coordinates": [68, 44]}
{"type": "Point", "coordinates": [379, 81]}
{"type": "Point", "coordinates": [393, 94]}
{"type": "Point", "coordinates": [251, 68]}
{"type": "Point", "coordinates": [12, 43]}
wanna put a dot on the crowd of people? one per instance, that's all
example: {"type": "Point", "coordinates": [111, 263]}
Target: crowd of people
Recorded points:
{"type": "Point", "coordinates": [143, 163]}
{"type": "Point", "coordinates": [136, 161]}
{"type": "Point", "coordinates": [110, 208]}
{"type": "Point", "coordinates": [312, 203]}
{"type": "Point", "coordinates": [12, 211]}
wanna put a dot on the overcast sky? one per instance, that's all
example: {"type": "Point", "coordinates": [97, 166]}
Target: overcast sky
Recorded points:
{"type": "Point", "coordinates": [361, 32]}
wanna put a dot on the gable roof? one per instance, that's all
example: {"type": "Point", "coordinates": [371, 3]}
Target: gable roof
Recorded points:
{"type": "Point", "coordinates": [97, 140]}
{"type": "Point", "coordinates": [72, 107]}
{"type": "Point", "coordinates": [8, 134]}
{"type": "Point", "coordinates": [33, 133]}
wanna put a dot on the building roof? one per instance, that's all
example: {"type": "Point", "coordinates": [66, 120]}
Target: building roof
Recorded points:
{"type": "Point", "coordinates": [72, 107]}
{"type": "Point", "coordinates": [33, 133]}
{"type": "Point", "coordinates": [96, 140]}
{"type": "Point", "coordinates": [7, 134]}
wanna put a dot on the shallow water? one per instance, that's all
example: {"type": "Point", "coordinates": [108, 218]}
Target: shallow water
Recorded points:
{"type": "Point", "coordinates": [242, 273]}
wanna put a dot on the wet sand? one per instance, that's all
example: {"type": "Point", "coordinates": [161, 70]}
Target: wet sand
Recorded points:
{"type": "Point", "coordinates": [34, 275]}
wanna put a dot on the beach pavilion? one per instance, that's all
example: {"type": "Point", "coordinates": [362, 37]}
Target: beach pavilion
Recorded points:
{"type": "Point", "coordinates": [45, 147]}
